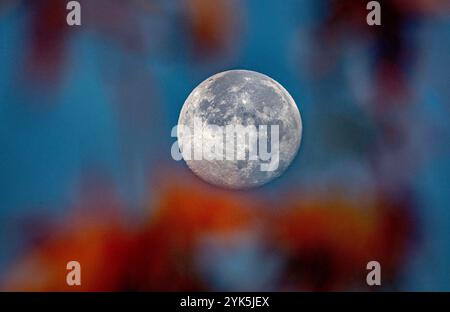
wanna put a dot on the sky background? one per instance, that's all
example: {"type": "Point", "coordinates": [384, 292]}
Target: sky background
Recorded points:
{"type": "Point", "coordinates": [85, 120]}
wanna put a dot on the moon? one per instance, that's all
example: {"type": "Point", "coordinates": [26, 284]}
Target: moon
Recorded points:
{"type": "Point", "coordinates": [239, 98]}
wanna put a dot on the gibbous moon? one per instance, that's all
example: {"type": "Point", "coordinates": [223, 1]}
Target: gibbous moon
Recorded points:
{"type": "Point", "coordinates": [239, 99]}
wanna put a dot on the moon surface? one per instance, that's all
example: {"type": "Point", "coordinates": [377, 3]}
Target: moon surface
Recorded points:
{"type": "Point", "coordinates": [239, 98]}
